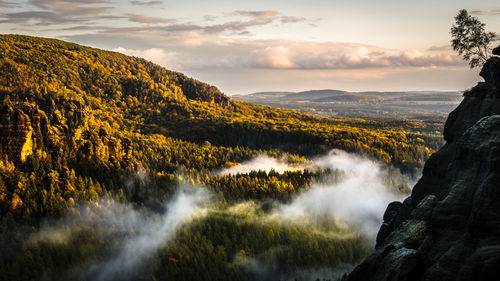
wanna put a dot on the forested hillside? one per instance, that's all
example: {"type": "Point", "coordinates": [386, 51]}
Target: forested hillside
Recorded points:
{"type": "Point", "coordinates": [80, 124]}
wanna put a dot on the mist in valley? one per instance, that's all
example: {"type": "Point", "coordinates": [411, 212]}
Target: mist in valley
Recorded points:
{"type": "Point", "coordinates": [354, 205]}
{"type": "Point", "coordinates": [135, 234]}
{"type": "Point", "coordinates": [358, 200]}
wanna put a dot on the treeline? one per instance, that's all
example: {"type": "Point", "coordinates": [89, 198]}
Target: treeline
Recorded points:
{"type": "Point", "coordinates": [259, 185]}
{"type": "Point", "coordinates": [243, 248]}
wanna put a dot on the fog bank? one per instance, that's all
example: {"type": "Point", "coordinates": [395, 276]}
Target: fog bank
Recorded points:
{"type": "Point", "coordinates": [359, 200]}
{"type": "Point", "coordinates": [136, 234]}
{"type": "Point", "coordinates": [260, 163]}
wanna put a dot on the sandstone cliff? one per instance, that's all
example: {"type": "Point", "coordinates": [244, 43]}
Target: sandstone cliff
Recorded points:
{"type": "Point", "coordinates": [449, 228]}
{"type": "Point", "coordinates": [26, 128]}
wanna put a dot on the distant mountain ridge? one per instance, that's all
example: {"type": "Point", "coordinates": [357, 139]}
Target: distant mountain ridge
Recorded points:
{"type": "Point", "coordinates": [350, 98]}
{"type": "Point", "coordinates": [328, 102]}
{"type": "Point", "coordinates": [325, 94]}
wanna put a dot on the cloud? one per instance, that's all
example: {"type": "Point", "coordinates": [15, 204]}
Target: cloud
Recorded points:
{"type": "Point", "coordinates": [147, 19]}
{"type": "Point", "coordinates": [291, 19]}
{"type": "Point", "coordinates": [333, 55]}
{"type": "Point", "coordinates": [237, 26]}
{"type": "Point", "coordinates": [48, 4]}
{"type": "Point", "coordinates": [267, 16]}
{"type": "Point", "coordinates": [146, 3]}
{"type": "Point", "coordinates": [208, 47]}
{"type": "Point", "coordinates": [71, 8]}
{"type": "Point", "coordinates": [82, 27]}
{"type": "Point", "coordinates": [37, 16]}
{"type": "Point", "coordinates": [257, 14]}
{"type": "Point", "coordinates": [258, 18]}
{"type": "Point", "coordinates": [440, 48]}
{"type": "Point", "coordinates": [58, 12]}
{"type": "Point", "coordinates": [230, 27]}
{"type": "Point", "coordinates": [156, 55]}
{"type": "Point", "coordinates": [492, 12]}
{"type": "Point", "coordinates": [209, 18]}
{"type": "Point", "coordinates": [205, 47]}
{"type": "Point", "coordinates": [49, 17]}
{"type": "Point", "coordinates": [211, 44]}
{"type": "Point", "coordinates": [284, 54]}
{"type": "Point", "coordinates": [7, 4]}
{"type": "Point", "coordinates": [272, 57]}
{"type": "Point", "coordinates": [68, 12]}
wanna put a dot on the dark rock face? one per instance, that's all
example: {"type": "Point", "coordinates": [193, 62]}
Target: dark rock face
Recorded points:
{"type": "Point", "coordinates": [388, 224]}
{"type": "Point", "coordinates": [496, 51]}
{"type": "Point", "coordinates": [449, 228]}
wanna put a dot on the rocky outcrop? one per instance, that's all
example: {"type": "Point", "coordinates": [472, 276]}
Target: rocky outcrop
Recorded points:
{"type": "Point", "coordinates": [496, 51]}
{"type": "Point", "coordinates": [449, 228]}
{"type": "Point", "coordinates": [16, 133]}
{"type": "Point", "coordinates": [25, 126]}
{"type": "Point", "coordinates": [101, 146]}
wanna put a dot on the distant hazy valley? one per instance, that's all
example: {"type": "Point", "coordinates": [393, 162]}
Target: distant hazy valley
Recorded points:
{"type": "Point", "coordinates": [412, 104]}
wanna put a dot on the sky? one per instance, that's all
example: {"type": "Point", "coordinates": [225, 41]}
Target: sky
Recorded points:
{"type": "Point", "coordinates": [275, 45]}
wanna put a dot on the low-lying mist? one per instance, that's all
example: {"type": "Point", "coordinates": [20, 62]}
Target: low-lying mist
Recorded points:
{"type": "Point", "coordinates": [356, 202]}
{"type": "Point", "coordinates": [139, 233]}
{"type": "Point", "coordinates": [260, 163]}
{"type": "Point", "coordinates": [359, 200]}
